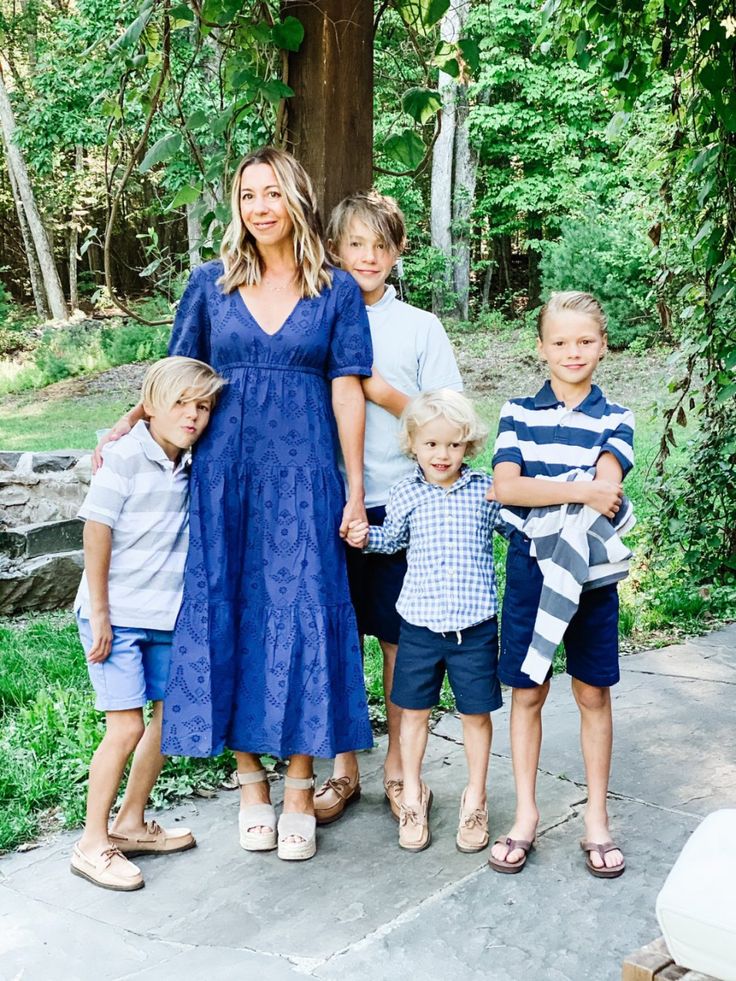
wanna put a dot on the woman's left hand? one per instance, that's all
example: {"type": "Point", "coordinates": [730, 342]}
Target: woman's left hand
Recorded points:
{"type": "Point", "coordinates": [354, 511]}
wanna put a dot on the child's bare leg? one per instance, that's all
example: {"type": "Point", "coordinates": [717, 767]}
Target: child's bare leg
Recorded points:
{"type": "Point", "coordinates": [596, 739]}
{"type": "Point", "coordinates": [526, 743]}
{"type": "Point", "coordinates": [392, 766]}
{"type": "Point", "coordinates": [414, 734]}
{"type": "Point", "coordinates": [124, 731]}
{"type": "Point", "coordinates": [477, 733]}
{"type": "Point", "coordinates": [144, 772]}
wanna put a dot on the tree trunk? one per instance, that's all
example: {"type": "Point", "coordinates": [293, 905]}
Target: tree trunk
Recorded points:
{"type": "Point", "coordinates": [533, 233]}
{"type": "Point", "coordinates": [463, 199]}
{"type": "Point", "coordinates": [74, 233]}
{"type": "Point", "coordinates": [34, 270]}
{"type": "Point", "coordinates": [329, 125]}
{"type": "Point", "coordinates": [443, 160]}
{"type": "Point", "coordinates": [194, 235]}
{"type": "Point", "coordinates": [52, 284]}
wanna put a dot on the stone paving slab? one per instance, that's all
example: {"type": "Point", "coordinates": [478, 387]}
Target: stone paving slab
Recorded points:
{"type": "Point", "coordinates": [363, 909]}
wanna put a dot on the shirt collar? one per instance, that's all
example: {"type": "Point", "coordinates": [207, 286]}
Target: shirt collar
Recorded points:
{"type": "Point", "coordinates": [386, 300]}
{"type": "Point", "coordinates": [466, 475]}
{"type": "Point", "coordinates": [594, 403]}
{"type": "Point", "coordinates": [154, 452]}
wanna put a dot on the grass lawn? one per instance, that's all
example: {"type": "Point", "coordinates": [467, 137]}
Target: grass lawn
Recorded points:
{"type": "Point", "coordinates": [30, 423]}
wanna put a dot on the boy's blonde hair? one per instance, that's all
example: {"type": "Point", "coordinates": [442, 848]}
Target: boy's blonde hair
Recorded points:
{"type": "Point", "coordinates": [573, 300]}
{"type": "Point", "coordinates": [446, 404]}
{"type": "Point", "coordinates": [171, 379]}
{"type": "Point", "coordinates": [239, 253]}
{"type": "Point", "coordinates": [378, 211]}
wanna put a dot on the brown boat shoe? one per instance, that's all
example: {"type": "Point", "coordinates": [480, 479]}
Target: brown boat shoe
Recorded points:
{"type": "Point", "coordinates": [472, 831]}
{"type": "Point", "coordinates": [333, 797]}
{"type": "Point", "coordinates": [110, 869]}
{"type": "Point", "coordinates": [155, 840]}
{"type": "Point", "coordinates": [414, 832]}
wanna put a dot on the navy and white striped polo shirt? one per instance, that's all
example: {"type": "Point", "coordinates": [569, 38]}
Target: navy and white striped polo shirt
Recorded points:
{"type": "Point", "coordinates": [546, 438]}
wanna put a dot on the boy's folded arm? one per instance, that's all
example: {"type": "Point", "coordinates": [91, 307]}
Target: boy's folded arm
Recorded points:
{"type": "Point", "coordinates": [609, 468]}
{"type": "Point", "coordinates": [377, 390]}
{"type": "Point", "coordinates": [510, 488]}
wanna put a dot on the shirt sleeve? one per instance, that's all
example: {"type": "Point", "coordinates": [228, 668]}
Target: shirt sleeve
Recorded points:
{"type": "Point", "coordinates": [507, 448]}
{"type": "Point", "coordinates": [437, 367]}
{"type": "Point", "coordinates": [393, 535]}
{"type": "Point", "coordinates": [621, 441]}
{"type": "Point", "coordinates": [351, 351]}
{"type": "Point", "coordinates": [190, 336]}
{"type": "Point", "coordinates": [108, 491]}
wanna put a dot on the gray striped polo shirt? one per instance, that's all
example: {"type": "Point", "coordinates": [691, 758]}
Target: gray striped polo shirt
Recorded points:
{"type": "Point", "coordinates": [144, 497]}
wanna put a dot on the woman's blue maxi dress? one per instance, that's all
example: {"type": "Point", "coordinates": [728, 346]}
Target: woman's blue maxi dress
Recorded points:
{"type": "Point", "coordinates": [265, 656]}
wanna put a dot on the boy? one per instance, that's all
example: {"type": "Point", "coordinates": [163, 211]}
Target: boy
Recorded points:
{"type": "Point", "coordinates": [448, 603]}
{"type": "Point", "coordinates": [135, 545]}
{"type": "Point", "coordinates": [412, 353]}
{"type": "Point", "coordinates": [568, 425]}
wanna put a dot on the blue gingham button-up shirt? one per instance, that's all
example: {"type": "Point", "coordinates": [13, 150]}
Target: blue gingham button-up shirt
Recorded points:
{"type": "Point", "coordinates": [450, 584]}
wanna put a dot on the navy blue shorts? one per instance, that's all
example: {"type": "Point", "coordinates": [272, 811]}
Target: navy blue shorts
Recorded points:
{"type": "Point", "coordinates": [375, 583]}
{"type": "Point", "coordinates": [471, 665]}
{"type": "Point", "coordinates": [591, 639]}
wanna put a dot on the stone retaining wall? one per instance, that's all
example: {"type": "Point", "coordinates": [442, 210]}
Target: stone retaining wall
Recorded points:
{"type": "Point", "coordinates": [41, 557]}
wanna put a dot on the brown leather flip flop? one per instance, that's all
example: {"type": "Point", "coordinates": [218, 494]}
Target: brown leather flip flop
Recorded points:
{"type": "Point", "coordinates": [510, 868]}
{"type": "Point", "coordinates": [603, 873]}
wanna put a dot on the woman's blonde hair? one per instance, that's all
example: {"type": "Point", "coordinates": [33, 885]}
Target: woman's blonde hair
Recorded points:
{"type": "Point", "coordinates": [176, 378]}
{"type": "Point", "coordinates": [446, 404]}
{"type": "Point", "coordinates": [573, 300]}
{"type": "Point", "coordinates": [378, 211]}
{"type": "Point", "coordinates": [239, 252]}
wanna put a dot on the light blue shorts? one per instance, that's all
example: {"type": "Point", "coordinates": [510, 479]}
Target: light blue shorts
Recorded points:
{"type": "Point", "coordinates": [136, 671]}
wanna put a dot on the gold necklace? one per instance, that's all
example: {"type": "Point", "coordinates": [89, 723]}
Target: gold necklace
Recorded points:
{"type": "Point", "coordinates": [279, 289]}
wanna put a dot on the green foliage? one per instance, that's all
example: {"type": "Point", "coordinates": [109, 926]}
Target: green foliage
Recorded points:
{"type": "Point", "coordinates": [612, 260]}
{"type": "Point", "coordinates": [69, 351]}
{"type": "Point", "coordinates": [129, 342]}
{"type": "Point", "coordinates": [424, 268]}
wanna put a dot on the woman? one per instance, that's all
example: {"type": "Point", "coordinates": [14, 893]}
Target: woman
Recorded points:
{"type": "Point", "coordinates": [265, 653]}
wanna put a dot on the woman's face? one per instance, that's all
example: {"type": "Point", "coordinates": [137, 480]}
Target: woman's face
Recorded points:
{"type": "Point", "coordinates": [262, 206]}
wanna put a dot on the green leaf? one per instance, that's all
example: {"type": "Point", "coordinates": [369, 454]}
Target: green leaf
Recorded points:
{"type": "Point", "coordinates": [185, 195]}
{"type": "Point", "coordinates": [164, 149]}
{"type": "Point", "coordinates": [703, 232]}
{"type": "Point", "coordinates": [422, 15]}
{"type": "Point", "coordinates": [288, 34]}
{"type": "Point", "coordinates": [221, 11]}
{"type": "Point", "coordinates": [451, 68]}
{"type": "Point", "coordinates": [407, 147]}
{"type": "Point", "coordinates": [182, 11]}
{"type": "Point", "coordinates": [421, 104]}
{"type": "Point", "coordinates": [220, 123]}
{"type": "Point", "coordinates": [197, 120]}
{"type": "Point", "coordinates": [132, 34]}
{"type": "Point", "coordinates": [274, 89]}
{"type": "Point", "coordinates": [726, 393]}
{"type": "Point", "coordinates": [470, 50]}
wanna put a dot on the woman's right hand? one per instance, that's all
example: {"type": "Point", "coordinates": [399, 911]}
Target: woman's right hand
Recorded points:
{"type": "Point", "coordinates": [121, 428]}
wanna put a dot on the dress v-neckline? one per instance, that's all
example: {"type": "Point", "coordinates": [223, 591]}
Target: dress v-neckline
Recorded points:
{"type": "Point", "coordinates": [284, 322]}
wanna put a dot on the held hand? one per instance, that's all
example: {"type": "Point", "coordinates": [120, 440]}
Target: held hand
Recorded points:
{"type": "Point", "coordinates": [101, 638]}
{"type": "Point", "coordinates": [354, 511]}
{"type": "Point", "coordinates": [604, 496]}
{"type": "Point", "coordinates": [358, 534]}
{"type": "Point", "coordinates": [119, 429]}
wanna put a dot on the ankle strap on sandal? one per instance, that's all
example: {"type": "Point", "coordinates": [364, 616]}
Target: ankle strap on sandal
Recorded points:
{"type": "Point", "coordinates": [299, 783]}
{"type": "Point", "coordinates": [253, 776]}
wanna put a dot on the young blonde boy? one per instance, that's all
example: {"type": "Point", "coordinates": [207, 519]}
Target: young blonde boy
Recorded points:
{"type": "Point", "coordinates": [135, 545]}
{"type": "Point", "coordinates": [447, 604]}
{"type": "Point", "coordinates": [569, 425]}
{"type": "Point", "coordinates": [412, 354]}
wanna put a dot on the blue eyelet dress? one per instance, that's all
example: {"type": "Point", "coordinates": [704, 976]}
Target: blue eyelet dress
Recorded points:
{"type": "Point", "coordinates": [265, 656]}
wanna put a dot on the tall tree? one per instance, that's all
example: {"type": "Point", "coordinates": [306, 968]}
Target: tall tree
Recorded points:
{"type": "Point", "coordinates": [49, 274]}
{"type": "Point", "coordinates": [330, 116]}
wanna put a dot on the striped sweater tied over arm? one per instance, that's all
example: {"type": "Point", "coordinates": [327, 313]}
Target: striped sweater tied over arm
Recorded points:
{"type": "Point", "coordinates": [577, 549]}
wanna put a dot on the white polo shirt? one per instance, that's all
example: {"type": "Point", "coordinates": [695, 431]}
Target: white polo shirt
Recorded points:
{"type": "Point", "coordinates": [413, 353]}
{"type": "Point", "coordinates": [144, 497]}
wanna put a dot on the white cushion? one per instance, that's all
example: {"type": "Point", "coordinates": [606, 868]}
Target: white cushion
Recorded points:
{"type": "Point", "coordinates": [696, 906]}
